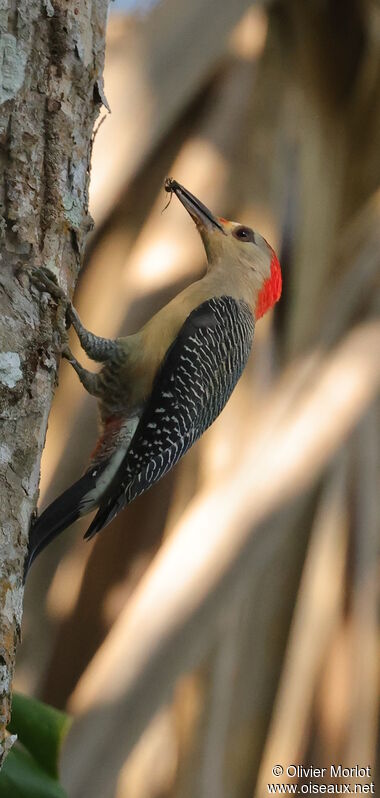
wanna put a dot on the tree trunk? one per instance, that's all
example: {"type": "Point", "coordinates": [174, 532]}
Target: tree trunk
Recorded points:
{"type": "Point", "coordinates": [51, 62]}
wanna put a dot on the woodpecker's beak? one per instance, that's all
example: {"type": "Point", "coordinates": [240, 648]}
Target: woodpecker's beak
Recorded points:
{"type": "Point", "coordinates": [201, 215]}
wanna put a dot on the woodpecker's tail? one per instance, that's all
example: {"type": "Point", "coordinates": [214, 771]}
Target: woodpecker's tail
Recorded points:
{"type": "Point", "coordinates": [78, 500]}
{"type": "Point", "coordinates": [106, 513]}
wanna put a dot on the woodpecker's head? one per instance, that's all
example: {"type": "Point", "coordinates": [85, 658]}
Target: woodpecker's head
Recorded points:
{"type": "Point", "coordinates": [235, 244]}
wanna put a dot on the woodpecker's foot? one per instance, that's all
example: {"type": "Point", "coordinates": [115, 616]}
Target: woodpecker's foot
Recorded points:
{"type": "Point", "coordinates": [45, 280]}
{"type": "Point", "coordinates": [88, 379]}
{"type": "Point", "coordinates": [67, 353]}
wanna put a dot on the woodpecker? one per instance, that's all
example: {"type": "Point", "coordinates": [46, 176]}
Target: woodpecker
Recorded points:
{"type": "Point", "coordinates": [162, 387]}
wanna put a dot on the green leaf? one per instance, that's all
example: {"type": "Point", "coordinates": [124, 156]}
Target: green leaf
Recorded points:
{"type": "Point", "coordinates": [22, 777]}
{"type": "Point", "coordinates": [41, 729]}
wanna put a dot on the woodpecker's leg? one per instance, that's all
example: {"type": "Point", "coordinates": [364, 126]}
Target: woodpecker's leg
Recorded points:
{"type": "Point", "coordinates": [89, 380]}
{"type": "Point", "coordinates": [97, 348]}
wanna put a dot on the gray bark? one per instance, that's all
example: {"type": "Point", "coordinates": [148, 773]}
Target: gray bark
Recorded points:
{"type": "Point", "coordinates": [51, 63]}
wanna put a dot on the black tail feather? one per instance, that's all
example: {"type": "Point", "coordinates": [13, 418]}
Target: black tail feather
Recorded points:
{"type": "Point", "coordinates": [59, 515]}
{"type": "Point", "coordinates": [104, 516]}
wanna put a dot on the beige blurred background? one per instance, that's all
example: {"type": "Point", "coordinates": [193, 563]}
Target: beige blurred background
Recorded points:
{"type": "Point", "coordinates": [226, 621]}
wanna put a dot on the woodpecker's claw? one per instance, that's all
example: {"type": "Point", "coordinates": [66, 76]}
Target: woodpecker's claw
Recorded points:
{"type": "Point", "coordinates": [45, 280]}
{"type": "Point", "coordinates": [67, 353]}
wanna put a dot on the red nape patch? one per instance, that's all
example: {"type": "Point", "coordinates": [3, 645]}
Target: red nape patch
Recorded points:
{"type": "Point", "coordinates": [224, 221]}
{"type": "Point", "coordinates": [271, 290]}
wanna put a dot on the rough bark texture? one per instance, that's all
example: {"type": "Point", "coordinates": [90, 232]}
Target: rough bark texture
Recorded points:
{"type": "Point", "coordinates": [51, 62]}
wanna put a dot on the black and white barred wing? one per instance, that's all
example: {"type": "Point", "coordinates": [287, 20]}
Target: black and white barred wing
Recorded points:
{"type": "Point", "coordinates": [196, 379]}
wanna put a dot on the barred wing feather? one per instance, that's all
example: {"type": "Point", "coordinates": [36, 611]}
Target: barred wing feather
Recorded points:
{"type": "Point", "coordinates": [196, 379]}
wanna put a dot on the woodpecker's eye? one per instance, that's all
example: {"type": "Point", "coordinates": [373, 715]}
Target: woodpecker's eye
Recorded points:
{"type": "Point", "coordinates": [244, 234]}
